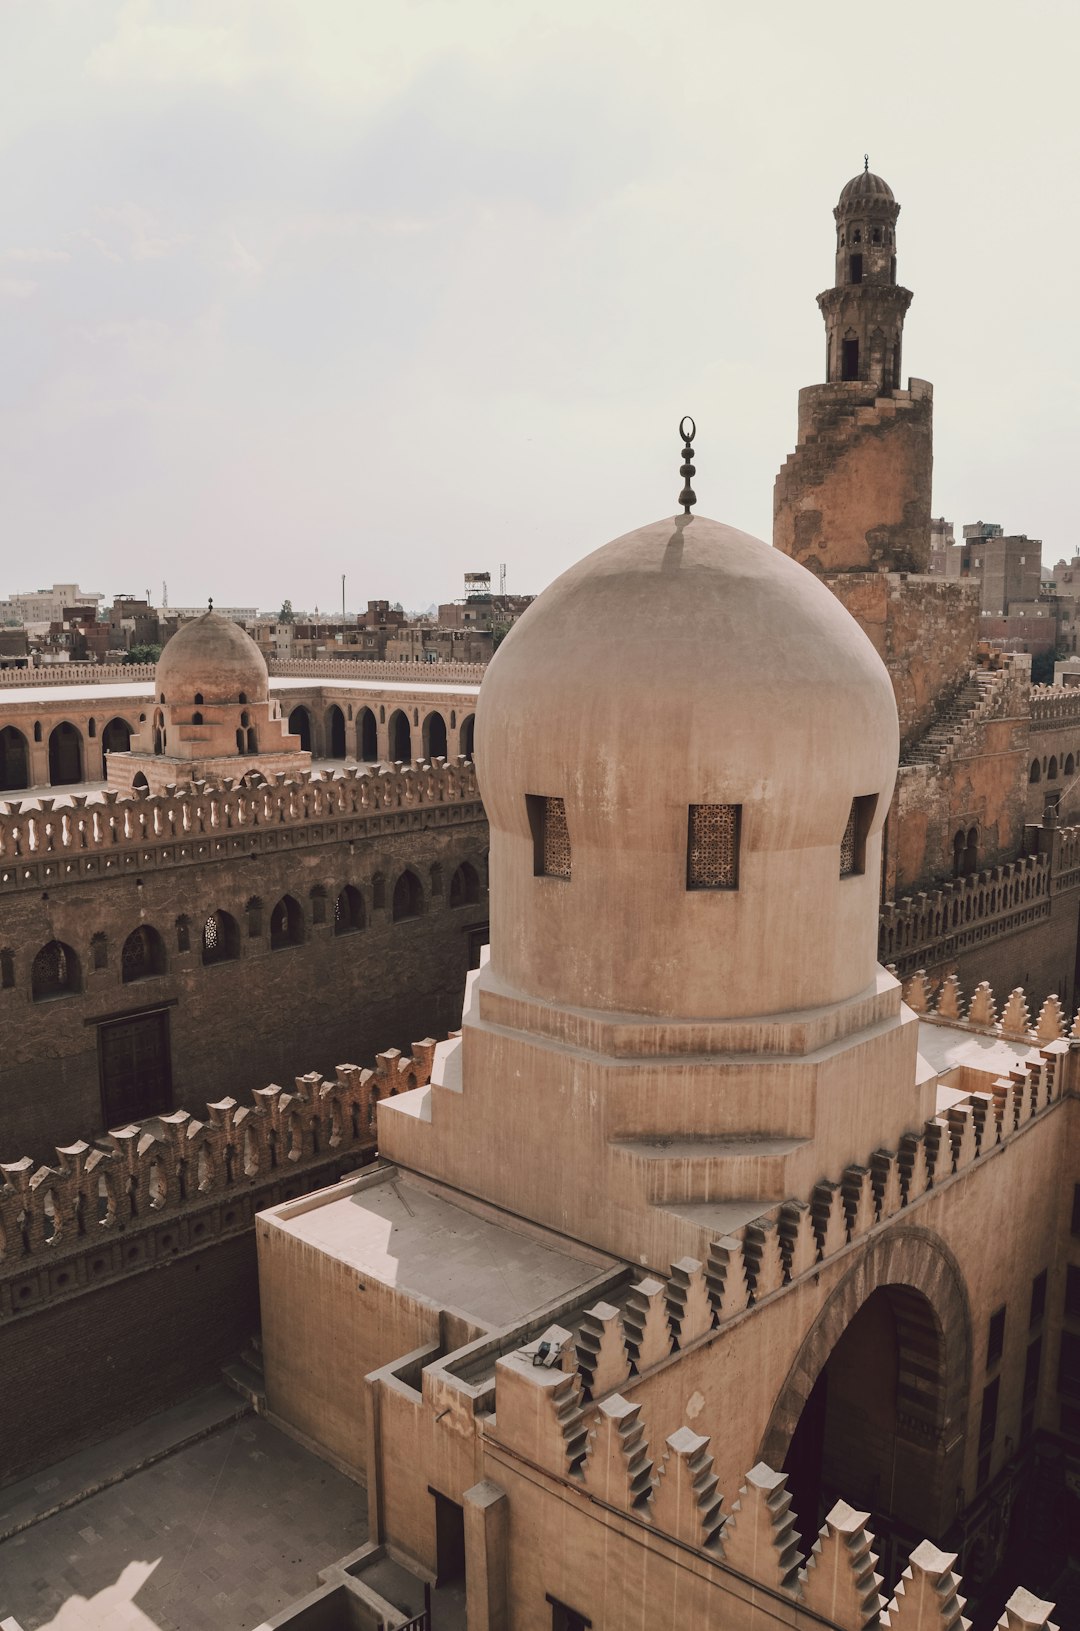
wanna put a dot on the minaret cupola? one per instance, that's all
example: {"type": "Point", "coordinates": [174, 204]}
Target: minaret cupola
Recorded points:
{"type": "Point", "coordinates": [864, 312]}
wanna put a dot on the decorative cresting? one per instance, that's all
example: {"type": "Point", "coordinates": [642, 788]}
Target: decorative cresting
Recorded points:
{"type": "Point", "coordinates": [971, 910]}
{"type": "Point", "coordinates": [132, 674]}
{"type": "Point", "coordinates": [670, 1488]}
{"type": "Point", "coordinates": [450, 674]}
{"type": "Point", "coordinates": [1012, 1020]}
{"type": "Point", "coordinates": [103, 1211]}
{"type": "Point", "coordinates": [58, 842]}
{"type": "Point", "coordinates": [688, 497]}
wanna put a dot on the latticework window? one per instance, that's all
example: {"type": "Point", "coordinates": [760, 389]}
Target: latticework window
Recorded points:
{"type": "Point", "coordinates": [551, 838]}
{"type": "Point", "coordinates": [712, 855]}
{"type": "Point", "coordinates": [853, 843]}
{"type": "Point", "coordinates": [54, 972]}
{"type": "Point", "coordinates": [849, 844]}
{"type": "Point", "coordinates": [141, 955]}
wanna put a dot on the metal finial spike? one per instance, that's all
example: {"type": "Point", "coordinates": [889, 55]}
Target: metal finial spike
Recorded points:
{"type": "Point", "coordinates": [866, 163]}
{"type": "Point", "coordinates": [211, 606]}
{"type": "Point", "coordinates": [686, 469]}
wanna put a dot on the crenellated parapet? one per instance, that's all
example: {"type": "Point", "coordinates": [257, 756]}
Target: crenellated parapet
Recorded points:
{"type": "Point", "coordinates": [173, 1183]}
{"type": "Point", "coordinates": [78, 674]}
{"type": "Point", "coordinates": [1010, 1019]}
{"type": "Point", "coordinates": [969, 911]}
{"type": "Point", "coordinates": [329, 668]}
{"type": "Point", "coordinates": [1054, 705]}
{"type": "Point", "coordinates": [605, 1450]}
{"type": "Point", "coordinates": [61, 841]}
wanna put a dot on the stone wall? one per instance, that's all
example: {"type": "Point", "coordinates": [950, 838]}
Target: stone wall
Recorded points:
{"type": "Point", "coordinates": [89, 875]}
{"type": "Point", "coordinates": [855, 494]}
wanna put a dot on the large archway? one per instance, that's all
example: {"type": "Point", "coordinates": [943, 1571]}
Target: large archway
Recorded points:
{"type": "Point", "coordinates": [65, 755]}
{"type": "Point", "coordinates": [300, 725]}
{"type": "Point", "coordinates": [14, 759]}
{"type": "Point", "coordinates": [873, 1410]}
{"type": "Point", "coordinates": [400, 733]}
{"type": "Point", "coordinates": [434, 736]}
{"type": "Point", "coordinates": [335, 732]}
{"type": "Point", "coordinates": [367, 736]}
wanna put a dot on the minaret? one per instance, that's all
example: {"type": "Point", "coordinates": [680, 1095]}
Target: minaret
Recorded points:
{"type": "Point", "coordinates": [864, 311]}
{"type": "Point", "coordinates": [854, 497]}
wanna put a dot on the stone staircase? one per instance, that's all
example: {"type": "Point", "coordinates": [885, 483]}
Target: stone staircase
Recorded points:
{"type": "Point", "coordinates": [952, 727]}
{"type": "Point", "coordinates": [841, 423]}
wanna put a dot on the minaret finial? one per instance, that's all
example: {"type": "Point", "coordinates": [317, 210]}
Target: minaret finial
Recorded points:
{"type": "Point", "coordinates": [211, 605]}
{"type": "Point", "coordinates": [686, 469]}
{"type": "Point", "coordinates": [866, 163]}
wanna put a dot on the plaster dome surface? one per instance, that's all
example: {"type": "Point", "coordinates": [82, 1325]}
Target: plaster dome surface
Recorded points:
{"type": "Point", "coordinates": [866, 185]}
{"type": "Point", "coordinates": [686, 664]}
{"type": "Point", "coordinates": [212, 657]}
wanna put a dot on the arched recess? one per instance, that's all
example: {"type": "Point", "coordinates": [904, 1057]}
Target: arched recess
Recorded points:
{"type": "Point", "coordinates": [408, 896]}
{"type": "Point", "coordinates": [116, 737]}
{"type": "Point", "coordinates": [435, 736]}
{"type": "Point", "coordinates": [910, 1456]}
{"type": "Point", "coordinates": [65, 755]}
{"type": "Point", "coordinates": [400, 733]}
{"type": "Point", "coordinates": [14, 759]}
{"type": "Point", "coordinates": [465, 885]}
{"type": "Point", "coordinates": [335, 732]}
{"type": "Point", "coordinates": [367, 736]}
{"type": "Point", "coordinates": [466, 744]}
{"type": "Point", "coordinates": [300, 725]}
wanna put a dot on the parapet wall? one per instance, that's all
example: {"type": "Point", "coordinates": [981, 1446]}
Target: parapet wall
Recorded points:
{"type": "Point", "coordinates": [342, 668]}
{"type": "Point", "coordinates": [62, 843]}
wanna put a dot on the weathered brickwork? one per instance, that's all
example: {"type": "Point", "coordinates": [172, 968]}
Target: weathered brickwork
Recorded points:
{"type": "Point", "coordinates": [364, 959]}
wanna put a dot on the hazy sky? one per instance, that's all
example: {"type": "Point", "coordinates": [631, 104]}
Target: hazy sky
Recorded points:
{"type": "Point", "coordinates": [291, 288]}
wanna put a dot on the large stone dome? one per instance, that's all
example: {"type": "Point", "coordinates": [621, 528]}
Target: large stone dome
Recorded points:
{"type": "Point", "coordinates": [686, 665]}
{"type": "Point", "coordinates": [213, 659]}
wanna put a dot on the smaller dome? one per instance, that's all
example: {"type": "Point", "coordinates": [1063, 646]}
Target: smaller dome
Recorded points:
{"type": "Point", "coordinates": [864, 186]}
{"type": "Point", "coordinates": [215, 658]}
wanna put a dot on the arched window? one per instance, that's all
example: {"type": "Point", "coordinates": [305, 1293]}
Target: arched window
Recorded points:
{"type": "Point", "coordinates": [143, 955]}
{"type": "Point", "coordinates": [37, 730]}
{"type": "Point", "coordinates": [849, 359]}
{"type": "Point", "coordinates": [286, 924]}
{"type": "Point", "coordinates": [65, 755]}
{"type": "Point", "coordinates": [55, 972]}
{"type": "Point", "coordinates": [468, 728]}
{"type": "Point", "coordinates": [252, 740]}
{"type": "Point", "coordinates": [91, 729]}
{"type": "Point", "coordinates": [14, 759]}
{"type": "Point", "coordinates": [240, 739]}
{"type": "Point", "coordinates": [140, 783]}
{"type": "Point", "coordinates": [1052, 769]}
{"type": "Point", "coordinates": [116, 737]}
{"type": "Point", "coordinates": [435, 736]}
{"type": "Point", "coordinates": [367, 736]}
{"type": "Point", "coordinates": [242, 698]}
{"type": "Point", "coordinates": [300, 725]}
{"type": "Point", "coordinates": [335, 732]}
{"type": "Point", "coordinates": [196, 718]}
{"type": "Point", "coordinates": [220, 938]}
{"type": "Point", "coordinates": [1035, 773]}
{"type": "Point", "coordinates": [348, 911]}
{"type": "Point", "coordinates": [408, 896]}
{"type": "Point", "coordinates": [1070, 765]}
{"type": "Point", "coordinates": [856, 269]}
{"type": "Point", "coordinates": [465, 886]}
{"type": "Point", "coordinates": [400, 738]}
{"type": "Point", "coordinates": [959, 844]}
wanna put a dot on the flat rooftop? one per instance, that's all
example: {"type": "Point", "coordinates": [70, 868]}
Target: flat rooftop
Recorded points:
{"type": "Point", "coordinates": [944, 1047]}
{"type": "Point", "coordinates": [404, 1234]}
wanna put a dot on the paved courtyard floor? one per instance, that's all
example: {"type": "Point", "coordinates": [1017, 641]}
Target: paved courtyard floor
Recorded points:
{"type": "Point", "coordinates": [216, 1537]}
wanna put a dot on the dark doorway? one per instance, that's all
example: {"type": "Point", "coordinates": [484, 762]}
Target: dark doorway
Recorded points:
{"type": "Point", "coordinates": [400, 738]}
{"type": "Point", "coordinates": [14, 760]}
{"type": "Point", "coordinates": [116, 737]}
{"type": "Point", "coordinates": [434, 737]}
{"type": "Point", "coordinates": [850, 360]}
{"type": "Point", "coordinates": [856, 269]}
{"type": "Point", "coordinates": [367, 736]}
{"type": "Point", "coordinates": [335, 733]}
{"type": "Point", "coordinates": [65, 756]}
{"type": "Point", "coordinates": [135, 1068]}
{"type": "Point", "coordinates": [449, 1540]}
{"type": "Point", "coordinates": [868, 1433]}
{"type": "Point", "coordinates": [300, 725]}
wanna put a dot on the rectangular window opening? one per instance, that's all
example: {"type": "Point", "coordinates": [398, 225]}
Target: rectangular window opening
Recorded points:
{"type": "Point", "coordinates": [1038, 1299]}
{"type": "Point", "coordinates": [853, 844]}
{"type": "Point", "coordinates": [550, 835]}
{"type": "Point", "coordinates": [995, 1340]}
{"type": "Point", "coordinates": [712, 850]}
{"type": "Point", "coordinates": [564, 1618]}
